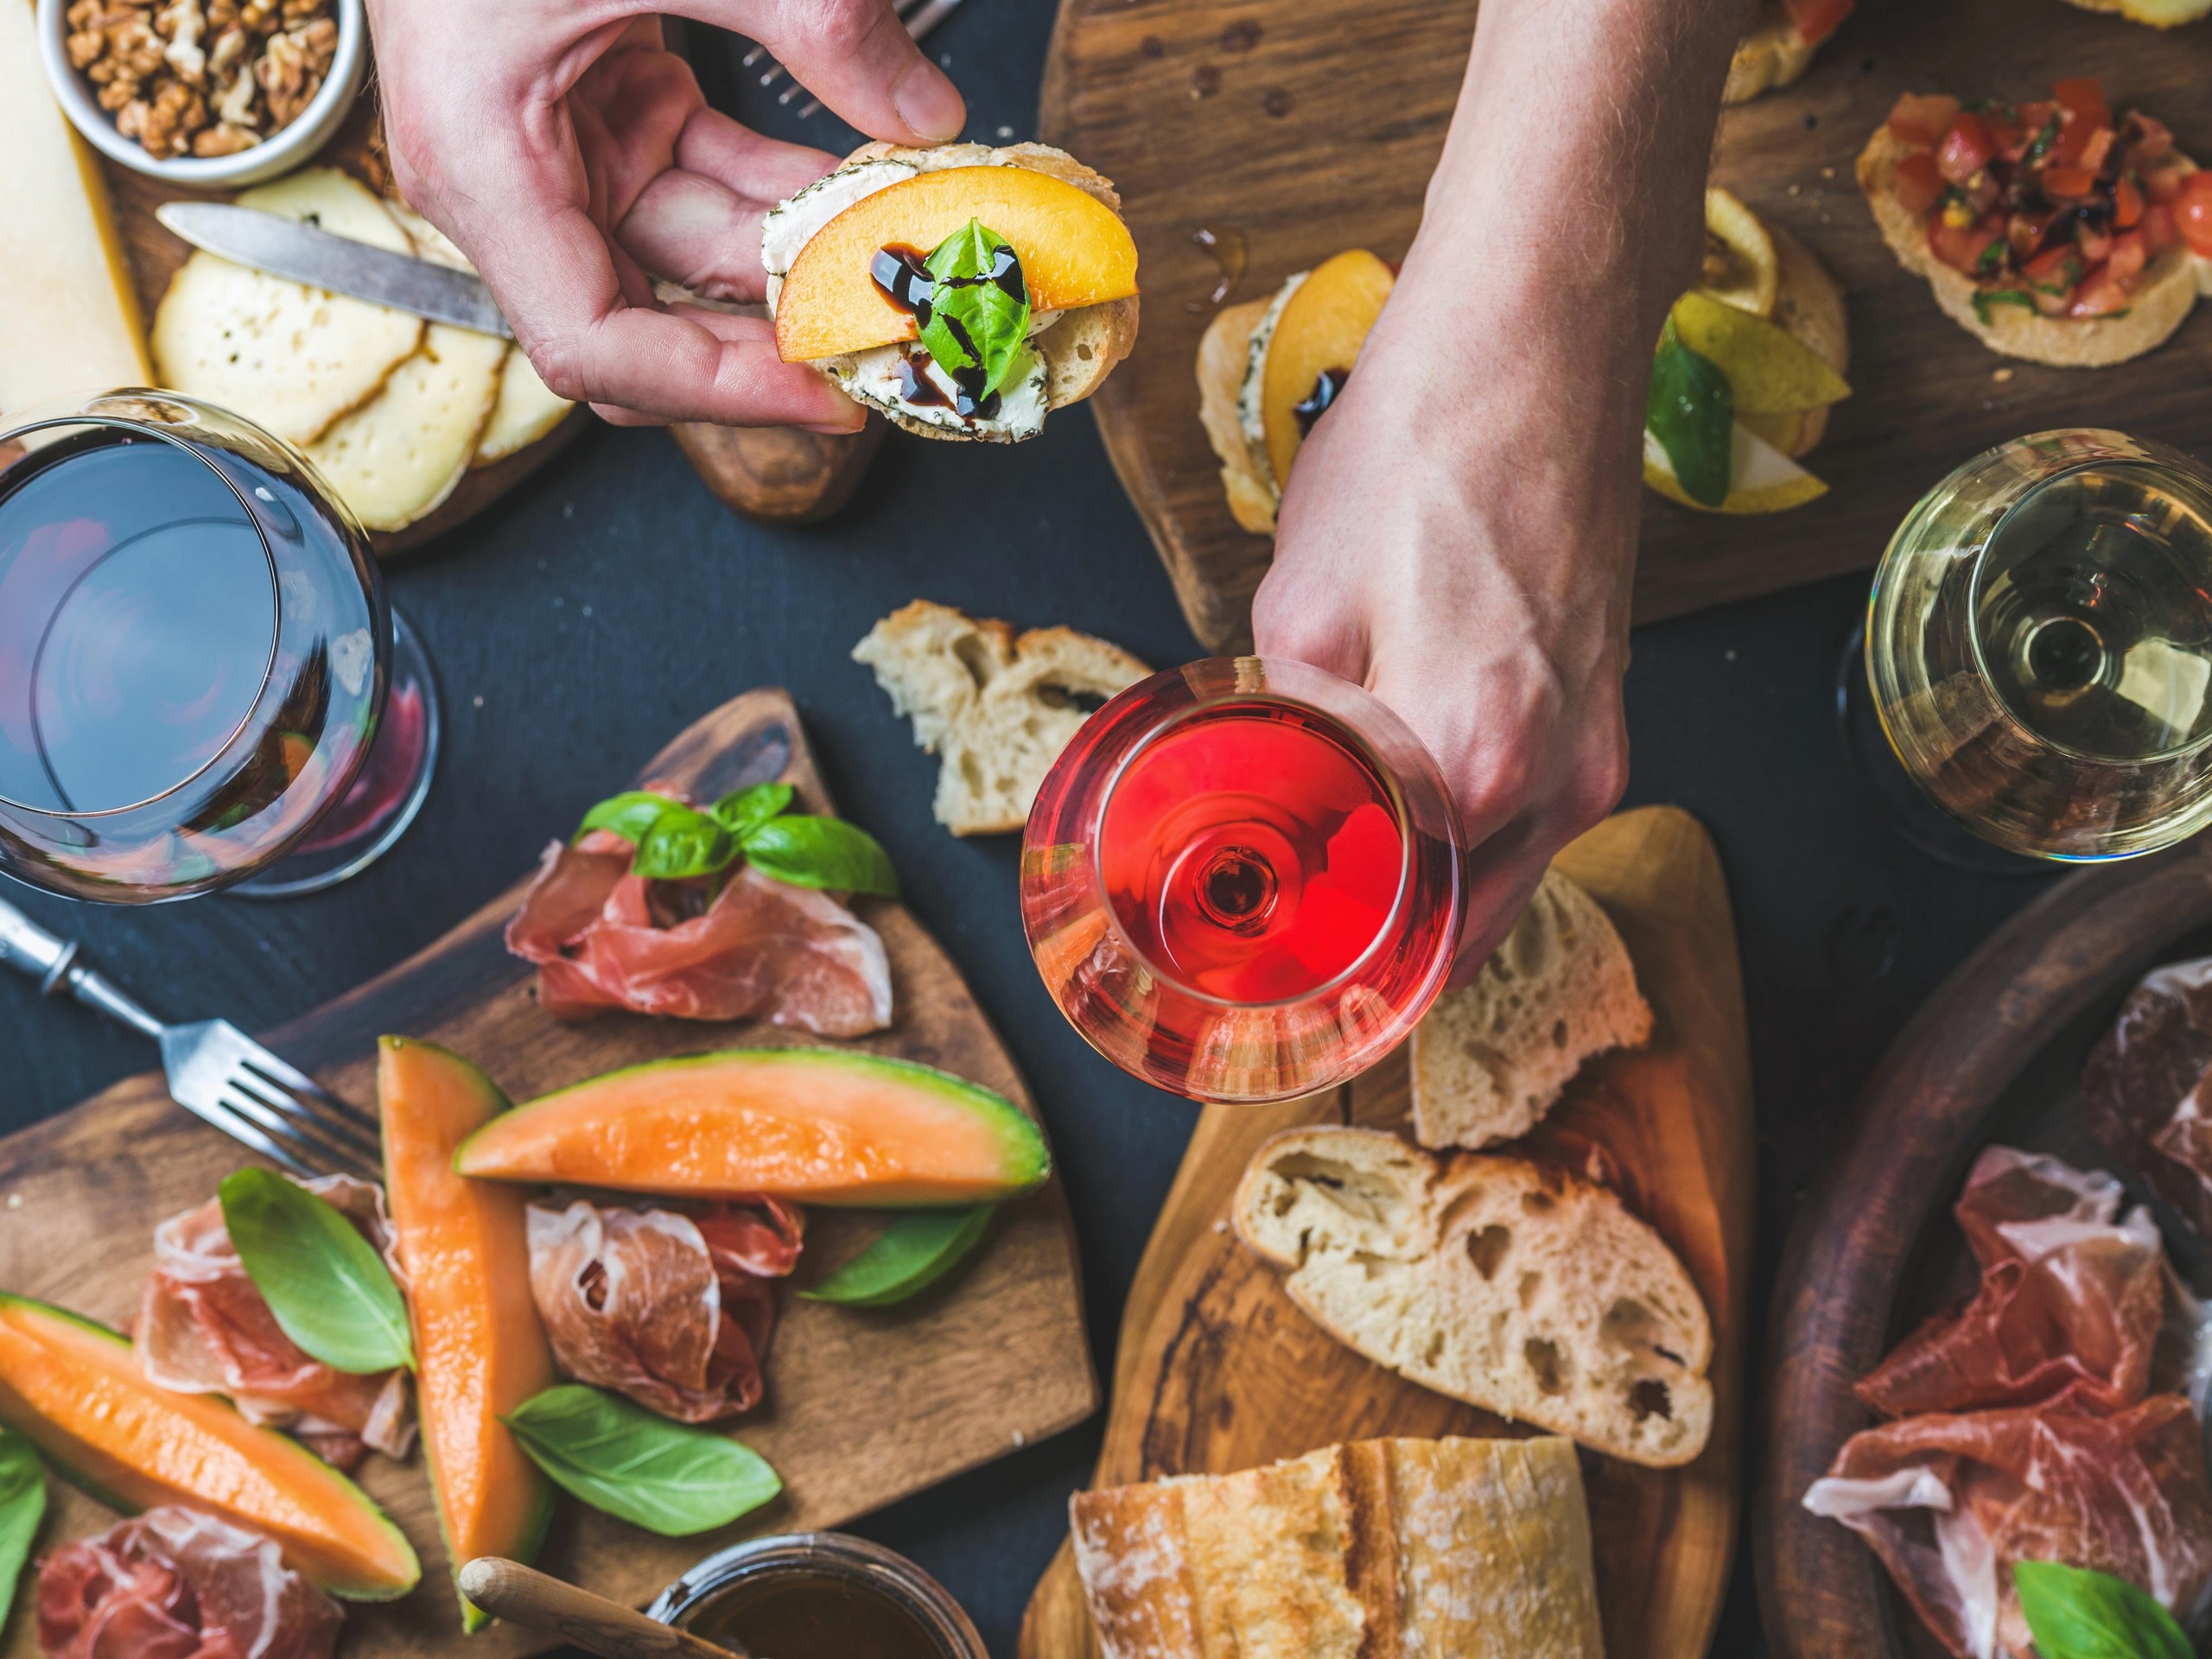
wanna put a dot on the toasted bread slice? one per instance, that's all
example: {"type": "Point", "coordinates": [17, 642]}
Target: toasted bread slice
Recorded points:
{"type": "Point", "coordinates": [1495, 1280]}
{"type": "Point", "coordinates": [1770, 55]}
{"type": "Point", "coordinates": [1491, 1058]}
{"type": "Point", "coordinates": [1224, 354]}
{"type": "Point", "coordinates": [998, 709]}
{"type": "Point", "coordinates": [2159, 13]}
{"type": "Point", "coordinates": [2169, 287]}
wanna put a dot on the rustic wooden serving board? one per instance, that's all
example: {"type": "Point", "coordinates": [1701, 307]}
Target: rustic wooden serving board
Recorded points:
{"type": "Point", "coordinates": [1304, 127]}
{"type": "Point", "coordinates": [1219, 1370]}
{"type": "Point", "coordinates": [862, 1408]}
{"type": "Point", "coordinates": [1996, 1054]}
{"type": "Point", "coordinates": [155, 255]}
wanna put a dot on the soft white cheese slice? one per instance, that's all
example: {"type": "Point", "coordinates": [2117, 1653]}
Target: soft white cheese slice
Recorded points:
{"type": "Point", "coordinates": [872, 377]}
{"type": "Point", "coordinates": [1251, 413]}
{"type": "Point", "coordinates": [791, 224]}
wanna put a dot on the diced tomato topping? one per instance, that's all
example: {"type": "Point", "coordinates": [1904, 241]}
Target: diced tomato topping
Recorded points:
{"type": "Point", "coordinates": [2010, 142]}
{"type": "Point", "coordinates": [2130, 253]}
{"type": "Point", "coordinates": [2056, 270]}
{"type": "Point", "coordinates": [2034, 117]}
{"type": "Point", "coordinates": [1960, 247]}
{"type": "Point", "coordinates": [1815, 20]}
{"type": "Point", "coordinates": [1966, 147]}
{"type": "Point", "coordinates": [1917, 184]}
{"type": "Point", "coordinates": [1919, 120]}
{"type": "Point", "coordinates": [2152, 142]}
{"type": "Point", "coordinates": [2068, 183]}
{"type": "Point", "coordinates": [2095, 244]}
{"type": "Point", "coordinates": [2127, 202]}
{"type": "Point", "coordinates": [2101, 295]}
{"type": "Point", "coordinates": [2098, 147]}
{"type": "Point", "coordinates": [2084, 100]}
{"type": "Point", "coordinates": [2165, 184]}
{"type": "Point", "coordinates": [2158, 231]}
{"type": "Point", "coordinates": [2024, 232]}
{"type": "Point", "coordinates": [2193, 213]}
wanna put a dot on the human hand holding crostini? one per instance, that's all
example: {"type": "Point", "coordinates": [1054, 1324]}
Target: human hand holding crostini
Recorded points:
{"type": "Point", "coordinates": [572, 156]}
{"type": "Point", "coordinates": [1459, 534]}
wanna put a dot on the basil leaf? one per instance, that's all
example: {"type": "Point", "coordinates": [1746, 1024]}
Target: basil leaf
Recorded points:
{"type": "Point", "coordinates": [979, 308]}
{"type": "Point", "coordinates": [682, 842]}
{"type": "Point", "coordinates": [1990, 259]}
{"type": "Point", "coordinates": [1691, 409]}
{"type": "Point", "coordinates": [811, 852]}
{"type": "Point", "coordinates": [919, 1248]}
{"type": "Point", "coordinates": [2076, 1613]}
{"type": "Point", "coordinates": [1985, 298]}
{"type": "Point", "coordinates": [23, 1506]}
{"type": "Point", "coordinates": [327, 1287]}
{"type": "Point", "coordinates": [629, 815]}
{"type": "Point", "coordinates": [2040, 146]}
{"type": "Point", "coordinates": [667, 1477]}
{"type": "Point", "coordinates": [749, 808]}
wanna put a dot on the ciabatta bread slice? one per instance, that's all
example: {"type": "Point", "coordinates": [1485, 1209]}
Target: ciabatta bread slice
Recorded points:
{"type": "Point", "coordinates": [1378, 1550]}
{"type": "Point", "coordinates": [1492, 1280]}
{"type": "Point", "coordinates": [997, 709]}
{"type": "Point", "coordinates": [1769, 55]}
{"type": "Point", "coordinates": [1225, 354]}
{"type": "Point", "coordinates": [1491, 1058]}
{"type": "Point", "coordinates": [2169, 285]}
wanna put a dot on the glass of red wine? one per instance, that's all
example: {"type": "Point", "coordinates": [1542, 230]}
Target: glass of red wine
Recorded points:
{"type": "Point", "coordinates": [201, 682]}
{"type": "Point", "coordinates": [1241, 881]}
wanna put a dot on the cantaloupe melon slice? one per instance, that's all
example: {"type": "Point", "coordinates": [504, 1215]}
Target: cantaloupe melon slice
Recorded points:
{"type": "Point", "coordinates": [819, 1125]}
{"type": "Point", "coordinates": [479, 1351]}
{"type": "Point", "coordinates": [1074, 251]}
{"type": "Point", "coordinates": [74, 1387]}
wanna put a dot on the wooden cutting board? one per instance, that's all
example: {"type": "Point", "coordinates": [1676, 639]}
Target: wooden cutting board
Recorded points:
{"type": "Point", "coordinates": [1299, 128]}
{"type": "Point", "coordinates": [863, 1407]}
{"type": "Point", "coordinates": [1218, 1369]}
{"type": "Point", "coordinates": [155, 255]}
{"type": "Point", "coordinates": [1995, 1055]}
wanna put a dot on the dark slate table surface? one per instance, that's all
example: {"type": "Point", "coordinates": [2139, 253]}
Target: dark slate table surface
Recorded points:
{"type": "Point", "coordinates": [581, 622]}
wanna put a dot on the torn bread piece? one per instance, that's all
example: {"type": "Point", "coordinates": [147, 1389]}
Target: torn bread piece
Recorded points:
{"type": "Point", "coordinates": [818, 249]}
{"type": "Point", "coordinates": [998, 709]}
{"type": "Point", "coordinates": [1495, 1280]}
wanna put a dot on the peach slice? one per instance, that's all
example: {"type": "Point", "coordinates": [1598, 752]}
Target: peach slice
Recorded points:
{"type": "Point", "coordinates": [1074, 251]}
{"type": "Point", "coordinates": [1322, 327]}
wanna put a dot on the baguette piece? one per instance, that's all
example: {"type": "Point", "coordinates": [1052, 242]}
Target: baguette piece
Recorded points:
{"type": "Point", "coordinates": [997, 708]}
{"type": "Point", "coordinates": [1491, 1058]}
{"type": "Point", "coordinates": [1495, 1280]}
{"type": "Point", "coordinates": [1376, 1549]}
{"type": "Point", "coordinates": [1224, 352]}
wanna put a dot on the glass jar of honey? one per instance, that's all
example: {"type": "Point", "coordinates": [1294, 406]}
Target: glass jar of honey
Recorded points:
{"type": "Point", "coordinates": [819, 1595]}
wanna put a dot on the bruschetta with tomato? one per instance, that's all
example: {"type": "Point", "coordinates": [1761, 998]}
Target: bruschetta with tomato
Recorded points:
{"type": "Point", "coordinates": [2053, 230]}
{"type": "Point", "coordinates": [1779, 44]}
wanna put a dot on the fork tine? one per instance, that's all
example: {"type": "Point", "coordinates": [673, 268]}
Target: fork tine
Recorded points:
{"type": "Point", "coordinates": [294, 1081]}
{"type": "Point", "coordinates": [218, 1114]}
{"type": "Point", "coordinates": [302, 1132]}
{"type": "Point", "coordinates": [339, 1121]}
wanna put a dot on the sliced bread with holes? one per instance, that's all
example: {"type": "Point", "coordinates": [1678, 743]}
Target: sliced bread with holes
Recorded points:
{"type": "Point", "coordinates": [998, 709]}
{"type": "Point", "coordinates": [1495, 1280]}
{"type": "Point", "coordinates": [1491, 1058]}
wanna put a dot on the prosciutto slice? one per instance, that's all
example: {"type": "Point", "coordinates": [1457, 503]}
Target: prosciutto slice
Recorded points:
{"type": "Point", "coordinates": [177, 1584]}
{"type": "Point", "coordinates": [672, 1305]}
{"type": "Point", "coordinates": [2147, 1088]}
{"type": "Point", "coordinates": [1949, 1503]}
{"type": "Point", "coordinates": [2072, 1296]}
{"type": "Point", "coordinates": [604, 938]}
{"type": "Point", "coordinates": [203, 1328]}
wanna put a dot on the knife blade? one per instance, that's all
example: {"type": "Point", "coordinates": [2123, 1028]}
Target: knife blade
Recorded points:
{"type": "Point", "coordinates": [285, 247]}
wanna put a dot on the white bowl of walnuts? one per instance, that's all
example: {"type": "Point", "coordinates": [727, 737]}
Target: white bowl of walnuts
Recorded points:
{"type": "Point", "coordinates": [205, 93]}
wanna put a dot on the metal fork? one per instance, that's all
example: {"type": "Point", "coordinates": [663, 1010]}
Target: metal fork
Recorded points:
{"type": "Point", "coordinates": [215, 1071]}
{"type": "Point", "coordinates": [921, 17]}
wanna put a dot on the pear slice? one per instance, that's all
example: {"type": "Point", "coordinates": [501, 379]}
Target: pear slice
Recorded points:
{"type": "Point", "coordinates": [1741, 268]}
{"type": "Point", "coordinates": [1770, 369]}
{"type": "Point", "coordinates": [1761, 479]}
{"type": "Point", "coordinates": [1322, 327]}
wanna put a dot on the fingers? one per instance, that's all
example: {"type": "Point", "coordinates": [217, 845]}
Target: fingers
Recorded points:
{"type": "Point", "coordinates": [699, 222]}
{"type": "Point", "coordinates": [856, 56]}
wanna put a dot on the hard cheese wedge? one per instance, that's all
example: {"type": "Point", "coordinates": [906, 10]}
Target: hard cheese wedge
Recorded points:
{"type": "Point", "coordinates": [68, 313]}
{"type": "Point", "coordinates": [75, 1388]}
{"type": "Point", "coordinates": [479, 1351]}
{"type": "Point", "coordinates": [824, 1126]}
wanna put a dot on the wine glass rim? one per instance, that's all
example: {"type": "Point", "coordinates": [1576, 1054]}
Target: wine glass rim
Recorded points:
{"type": "Point", "coordinates": [10, 434]}
{"type": "Point", "coordinates": [1400, 810]}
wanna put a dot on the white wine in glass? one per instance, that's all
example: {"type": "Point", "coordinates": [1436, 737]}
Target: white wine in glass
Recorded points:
{"type": "Point", "coordinates": [2039, 646]}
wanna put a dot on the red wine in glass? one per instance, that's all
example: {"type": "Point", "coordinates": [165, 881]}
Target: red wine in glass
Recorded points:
{"type": "Point", "coordinates": [1241, 881]}
{"type": "Point", "coordinates": [195, 650]}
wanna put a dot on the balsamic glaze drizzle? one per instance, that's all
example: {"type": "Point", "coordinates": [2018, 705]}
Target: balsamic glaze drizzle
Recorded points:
{"type": "Point", "coordinates": [1325, 391]}
{"type": "Point", "coordinates": [903, 275]}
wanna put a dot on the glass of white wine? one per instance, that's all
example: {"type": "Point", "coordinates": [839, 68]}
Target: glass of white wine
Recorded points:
{"type": "Point", "coordinates": [2039, 646]}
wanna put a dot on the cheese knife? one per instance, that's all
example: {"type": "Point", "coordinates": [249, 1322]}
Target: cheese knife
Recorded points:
{"type": "Point", "coordinates": [304, 253]}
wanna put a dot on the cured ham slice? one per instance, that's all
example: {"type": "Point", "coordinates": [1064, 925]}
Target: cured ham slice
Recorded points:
{"type": "Point", "coordinates": [177, 1584]}
{"type": "Point", "coordinates": [203, 1328]}
{"type": "Point", "coordinates": [2147, 1088]}
{"type": "Point", "coordinates": [1949, 1503]}
{"type": "Point", "coordinates": [2072, 1296]}
{"type": "Point", "coordinates": [671, 1305]}
{"type": "Point", "coordinates": [604, 938]}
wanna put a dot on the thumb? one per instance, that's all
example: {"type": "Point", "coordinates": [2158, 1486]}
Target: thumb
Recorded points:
{"type": "Point", "coordinates": [856, 56]}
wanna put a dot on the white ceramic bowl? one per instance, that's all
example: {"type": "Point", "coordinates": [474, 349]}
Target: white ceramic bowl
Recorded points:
{"type": "Point", "coordinates": [293, 147]}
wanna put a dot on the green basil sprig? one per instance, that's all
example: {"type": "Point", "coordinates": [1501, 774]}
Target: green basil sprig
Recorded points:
{"type": "Point", "coordinates": [667, 1477]}
{"type": "Point", "coordinates": [1691, 409]}
{"type": "Point", "coordinates": [2076, 1613]}
{"type": "Point", "coordinates": [1987, 299]}
{"type": "Point", "coordinates": [23, 1506]}
{"type": "Point", "coordinates": [919, 1248]}
{"type": "Point", "coordinates": [327, 1287]}
{"type": "Point", "coordinates": [674, 840]}
{"type": "Point", "coordinates": [979, 305]}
